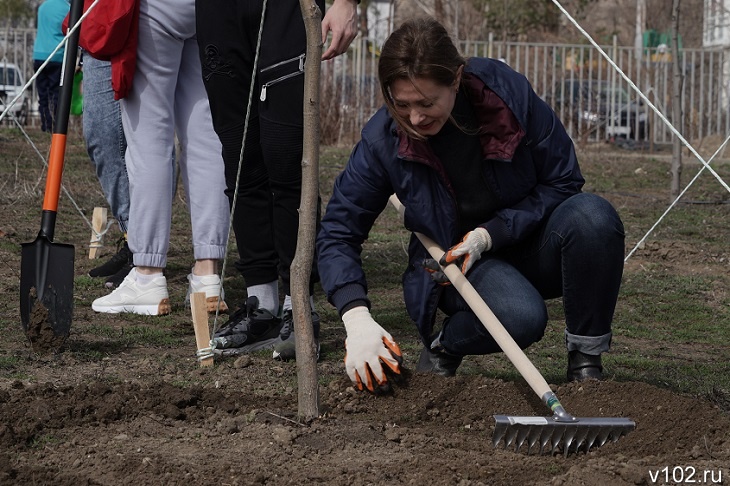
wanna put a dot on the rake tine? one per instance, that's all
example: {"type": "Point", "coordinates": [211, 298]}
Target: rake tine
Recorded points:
{"type": "Point", "coordinates": [568, 439]}
{"type": "Point", "coordinates": [533, 438]}
{"type": "Point", "coordinates": [500, 429]}
{"type": "Point", "coordinates": [557, 436]}
{"type": "Point", "coordinates": [522, 433]}
{"type": "Point", "coordinates": [604, 435]}
{"type": "Point", "coordinates": [615, 434]}
{"type": "Point", "coordinates": [510, 436]}
{"type": "Point", "coordinates": [545, 438]}
{"type": "Point", "coordinates": [581, 435]}
{"type": "Point", "coordinates": [591, 439]}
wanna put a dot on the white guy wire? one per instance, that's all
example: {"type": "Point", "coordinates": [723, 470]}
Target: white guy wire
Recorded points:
{"type": "Point", "coordinates": [661, 115]}
{"type": "Point", "coordinates": [97, 234]}
{"type": "Point", "coordinates": [674, 203]}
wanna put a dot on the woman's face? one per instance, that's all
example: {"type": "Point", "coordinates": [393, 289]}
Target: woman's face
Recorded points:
{"type": "Point", "coordinates": [423, 103]}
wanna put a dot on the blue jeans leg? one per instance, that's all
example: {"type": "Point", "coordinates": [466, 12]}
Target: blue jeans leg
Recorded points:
{"type": "Point", "coordinates": [513, 299]}
{"type": "Point", "coordinates": [105, 141]}
{"type": "Point", "coordinates": [577, 254]}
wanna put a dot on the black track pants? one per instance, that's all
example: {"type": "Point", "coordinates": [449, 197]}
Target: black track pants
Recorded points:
{"type": "Point", "coordinates": [266, 219]}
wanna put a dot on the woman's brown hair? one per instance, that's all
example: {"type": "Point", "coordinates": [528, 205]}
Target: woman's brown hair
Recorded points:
{"type": "Point", "coordinates": [419, 48]}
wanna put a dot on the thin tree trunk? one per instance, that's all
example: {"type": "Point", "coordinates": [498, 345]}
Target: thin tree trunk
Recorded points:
{"type": "Point", "coordinates": [301, 268]}
{"type": "Point", "coordinates": [677, 113]}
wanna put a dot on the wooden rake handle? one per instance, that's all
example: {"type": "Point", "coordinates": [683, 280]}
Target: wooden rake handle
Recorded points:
{"type": "Point", "coordinates": [484, 313]}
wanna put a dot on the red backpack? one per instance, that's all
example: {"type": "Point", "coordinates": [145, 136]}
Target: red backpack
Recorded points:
{"type": "Point", "coordinates": [109, 33]}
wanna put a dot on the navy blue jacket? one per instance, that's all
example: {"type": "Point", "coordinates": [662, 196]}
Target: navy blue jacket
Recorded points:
{"type": "Point", "coordinates": [529, 164]}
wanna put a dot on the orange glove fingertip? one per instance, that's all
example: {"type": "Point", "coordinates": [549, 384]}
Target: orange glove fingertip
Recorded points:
{"type": "Point", "coordinates": [358, 381]}
{"type": "Point", "coordinates": [392, 346]}
{"type": "Point", "coordinates": [370, 376]}
{"type": "Point", "coordinates": [447, 259]}
{"type": "Point", "coordinates": [465, 264]}
{"type": "Point", "coordinates": [394, 368]}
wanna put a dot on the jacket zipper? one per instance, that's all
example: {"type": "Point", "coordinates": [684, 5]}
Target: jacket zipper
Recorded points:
{"type": "Point", "coordinates": [282, 78]}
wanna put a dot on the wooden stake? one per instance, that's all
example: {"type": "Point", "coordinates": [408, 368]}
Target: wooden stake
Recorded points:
{"type": "Point", "coordinates": [98, 221]}
{"type": "Point", "coordinates": [200, 324]}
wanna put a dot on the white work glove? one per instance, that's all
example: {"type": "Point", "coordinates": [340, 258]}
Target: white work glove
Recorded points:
{"type": "Point", "coordinates": [368, 347]}
{"type": "Point", "coordinates": [469, 250]}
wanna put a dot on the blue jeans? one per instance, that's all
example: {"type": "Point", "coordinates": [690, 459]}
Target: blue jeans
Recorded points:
{"type": "Point", "coordinates": [105, 142]}
{"type": "Point", "coordinates": [47, 84]}
{"type": "Point", "coordinates": [577, 254]}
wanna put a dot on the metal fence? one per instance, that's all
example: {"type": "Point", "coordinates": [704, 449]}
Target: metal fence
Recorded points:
{"type": "Point", "coordinates": [16, 47]}
{"type": "Point", "coordinates": [597, 114]}
{"type": "Point", "coordinates": [593, 100]}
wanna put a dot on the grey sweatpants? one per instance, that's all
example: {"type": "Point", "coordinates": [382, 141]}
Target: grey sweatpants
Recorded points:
{"type": "Point", "coordinates": [168, 98]}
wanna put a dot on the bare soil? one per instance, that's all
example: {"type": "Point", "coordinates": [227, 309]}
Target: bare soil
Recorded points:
{"type": "Point", "coordinates": [110, 411]}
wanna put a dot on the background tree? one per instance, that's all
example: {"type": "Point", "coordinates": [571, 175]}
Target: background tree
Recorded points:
{"type": "Point", "coordinates": [677, 115]}
{"type": "Point", "coordinates": [16, 13]}
{"type": "Point", "coordinates": [541, 21]}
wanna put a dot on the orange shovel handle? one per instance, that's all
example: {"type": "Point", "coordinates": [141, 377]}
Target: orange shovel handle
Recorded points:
{"type": "Point", "coordinates": [55, 170]}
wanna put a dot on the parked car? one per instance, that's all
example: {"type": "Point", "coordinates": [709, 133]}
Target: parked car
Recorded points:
{"type": "Point", "coordinates": [11, 84]}
{"type": "Point", "coordinates": [590, 105]}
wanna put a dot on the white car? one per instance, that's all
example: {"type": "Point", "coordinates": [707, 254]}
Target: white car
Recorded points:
{"type": "Point", "coordinates": [11, 83]}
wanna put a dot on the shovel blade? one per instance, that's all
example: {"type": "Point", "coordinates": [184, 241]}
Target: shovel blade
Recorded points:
{"type": "Point", "coordinates": [546, 434]}
{"type": "Point", "coordinates": [46, 292]}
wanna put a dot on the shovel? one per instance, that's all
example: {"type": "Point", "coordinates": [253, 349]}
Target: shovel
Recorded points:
{"type": "Point", "coordinates": [46, 267]}
{"type": "Point", "coordinates": [562, 429]}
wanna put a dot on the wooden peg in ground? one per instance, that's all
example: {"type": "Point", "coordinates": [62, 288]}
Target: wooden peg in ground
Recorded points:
{"type": "Point", "coordinates": [98, 222]}
{"type": "Point", "coordinates": [199, 309]}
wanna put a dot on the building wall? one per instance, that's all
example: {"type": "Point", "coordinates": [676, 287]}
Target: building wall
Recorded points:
{"type": "Point", "coordinates": [716, 29]}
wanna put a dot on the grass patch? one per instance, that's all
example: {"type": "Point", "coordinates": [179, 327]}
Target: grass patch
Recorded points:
{"type": "Point", "coordinates": [672, 308]}
{"type": "Point", "coordinates": [148, 336]}
{"type": "Point", "coordinates": [8, 362]}
{"type": "Point", "coordinates": [133, 335]}
{"type": "Point", "coordinates": [42, 441]}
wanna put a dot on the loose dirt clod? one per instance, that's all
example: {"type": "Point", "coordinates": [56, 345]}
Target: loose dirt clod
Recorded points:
{"type": "Point", "coordinates": [40, 332]}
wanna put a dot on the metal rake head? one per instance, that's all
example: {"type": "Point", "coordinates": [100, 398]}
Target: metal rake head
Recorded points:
{"type": "Point", "coordinates": [546, 434]}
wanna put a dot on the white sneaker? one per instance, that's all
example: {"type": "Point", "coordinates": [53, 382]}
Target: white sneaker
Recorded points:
{"type": "Point", "coordinates": [211, 285]}
{"type": "Point", "coordinates": [151, 299]}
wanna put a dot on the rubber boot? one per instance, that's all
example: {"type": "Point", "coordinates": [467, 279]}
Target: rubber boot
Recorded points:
{"type": "Point", "coordinates": [438, 362]}
{"type": "Point", "coordinates": [584, 366]}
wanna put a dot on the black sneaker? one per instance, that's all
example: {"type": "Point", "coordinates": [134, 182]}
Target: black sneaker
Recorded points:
{"type": "Point", "coordinates": [116, 280]}
{"type": "Point", "coordinates": [248, 326]}
{"type": "Point", "coordinates": [117, 262]}
{"type": "Point", "coordinates": [285, 349]}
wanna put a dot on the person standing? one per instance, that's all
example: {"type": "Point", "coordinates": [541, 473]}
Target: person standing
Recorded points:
{"type": "Point", "coordinates": [167, 99]}
{"type": "Point", "coordinates": [266, 217]}
{"type": "Point", "coordinates": [484, 168]}
{"type": "Point", "coordinates": [48, 36]}
{"type": "Point", "coordinates": [106, 145]}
